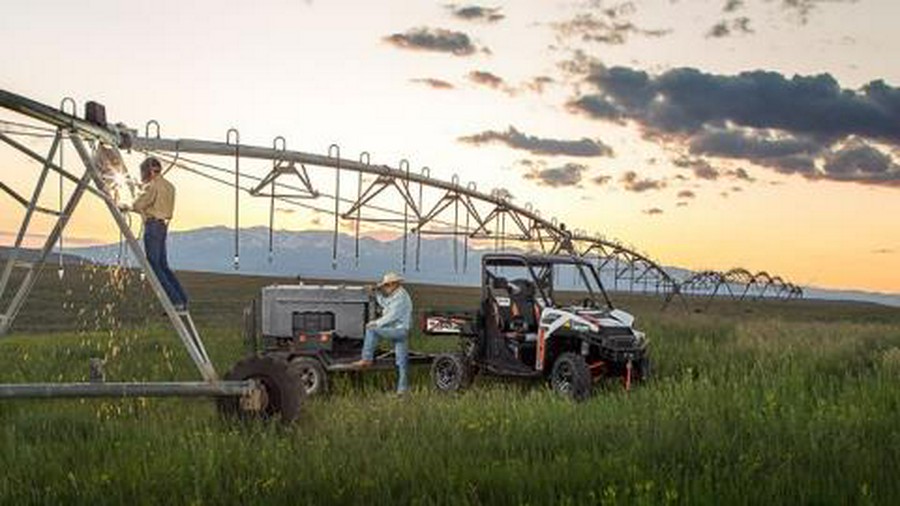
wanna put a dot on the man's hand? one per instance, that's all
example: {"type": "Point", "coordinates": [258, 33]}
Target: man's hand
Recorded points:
{"type": "Point", "coordinates": [123, 207]}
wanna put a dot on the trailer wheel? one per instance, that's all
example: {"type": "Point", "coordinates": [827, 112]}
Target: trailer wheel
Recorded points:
{"type": "Point", "coordinates": [280, 393]}
{"type": "Point", "coordinates": [451, 372]}
{"type": "Point", "coordinates": [313, 378]}
{"type": "Point", "coordinates": [571, 377]}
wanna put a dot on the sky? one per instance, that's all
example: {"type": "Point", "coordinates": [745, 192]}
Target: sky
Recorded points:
{"type": "Point", "coordinates": [710, 134]}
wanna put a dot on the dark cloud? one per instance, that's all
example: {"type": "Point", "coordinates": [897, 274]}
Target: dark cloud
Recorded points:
{"type": "Point", "coordinates": [860, 162]}
{"type": "Point", "coordinates": [608, 26]}
{"type": "Point", "coordinates": [540, 146]}
{"type": "Point", "coordinates": [601, 179]}
{"type": "Point", "coordinates": [476, 13]}
{"type": "Point", "coordinates": [686, 100]}
{"type": "Point", "coordinates": [569, 174]}
{"type": "Point", "coordinates": [729, 27]}
{"type": "Point", "coordinates": [633, 183]}
{"type": "Point", "coordinates": [686, 194]}
{"type": "Point", "coordinates": [438, 84]}
{"type": "Point", "coordinates": [434, 39]}
{"type": "Point", "coordinates": [653, 210]}
{"type": "Point", "coordinates": [797, 125]}
{"type": "Point", "coordinates": [741, 143]}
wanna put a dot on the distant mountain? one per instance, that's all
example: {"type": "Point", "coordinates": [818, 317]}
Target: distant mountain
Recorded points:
{"type": "Point", "coordinates": [307, 254]}
{"type": "Point", "coordinates": [31, 255]}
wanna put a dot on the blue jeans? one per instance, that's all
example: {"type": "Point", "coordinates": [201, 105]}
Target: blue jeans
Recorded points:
{"type": "Point", "coordinates": [400, 338]}
{"type": "Point", "coordinates": [155, 232]}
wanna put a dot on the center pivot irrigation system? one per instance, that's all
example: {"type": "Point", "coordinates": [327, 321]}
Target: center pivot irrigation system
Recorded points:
{"type": "Point", "coordinates": [352, 192]}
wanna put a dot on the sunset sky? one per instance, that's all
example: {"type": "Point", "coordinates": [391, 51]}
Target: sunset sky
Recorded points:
{"type": "Point", "coordinates": [709, 133]}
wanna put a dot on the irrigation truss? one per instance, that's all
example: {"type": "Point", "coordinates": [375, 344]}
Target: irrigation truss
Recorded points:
{"type": "Point", "coordinates": [356, 193]}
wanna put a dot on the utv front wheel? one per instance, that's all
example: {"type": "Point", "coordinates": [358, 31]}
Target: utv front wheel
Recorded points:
{"type": "Point", "coordinates": [571, 377]}
{"type": "Point", "coordinates": [450, 372]}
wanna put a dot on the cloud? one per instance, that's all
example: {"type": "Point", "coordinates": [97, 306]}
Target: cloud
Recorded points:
{"type": "Point", "coordinates": [38, 239]}
{"type": "Point", "coordinates": [538, 84]}
{"type": "Point", "coordinates": [633, 183]}
{"type": "Point", "coordinates": [681, 204]}
{"type": "Point", "coordinates": [490, 80]}
{"type": "Point", "coordinates": [285, 210]}
{"type": "Point", "coordinates": [733, 5]}
{"type": "Point", "coordinates": [794, 125]}
{"type": "Point", "coordinates": [434, 39]}
{"type": "Point", "coordinates": [601, 179]}
{"type": "Point", "coordinates": [609, 26]}
{"type": "Point", "coordinates": [438, 84]}
{"type": "Point", "coordinates": [801, 9]}
{"type": "Point", "coordinates": [727, 28]}
{"type": "Point", "coordinates": [686, 194]}
{"type": "Point", "coordinates": [701, 168]}
{"type": "Point", "coordinates": [476, 13]}
{"type": "Point", "coordinates": [569, 174]}
{"type": "Point", "coordinates": [860, 162]}
{"type": "Point", "coordinates": [653, 210]}
{"type": "Point", "coordinates": [741, 174]}
{"type": "Point", "coordinates": [883, 251]}
{"type": "Point", "coordinates": [583, 147]}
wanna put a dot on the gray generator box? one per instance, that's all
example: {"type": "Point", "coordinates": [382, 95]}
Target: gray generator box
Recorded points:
{"type": "Point", "coordinates": [289, 310]}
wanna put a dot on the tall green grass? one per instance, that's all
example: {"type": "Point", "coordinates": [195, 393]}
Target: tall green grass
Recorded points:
{"type": "Point", "coordinates": [745, 408]}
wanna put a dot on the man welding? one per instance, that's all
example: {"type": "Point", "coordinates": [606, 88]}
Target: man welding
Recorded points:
{"type": "Point", "coordinates": [394, 325]}
{"type": "Point", "coordinates": [156, 204]}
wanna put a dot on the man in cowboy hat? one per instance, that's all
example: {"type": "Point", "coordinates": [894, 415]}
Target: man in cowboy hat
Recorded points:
{"type": "Point", "coordinates": [394, 325]}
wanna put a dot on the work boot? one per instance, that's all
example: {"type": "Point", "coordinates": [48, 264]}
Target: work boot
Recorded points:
{"type": "Point", "coordinates": [362, 364]}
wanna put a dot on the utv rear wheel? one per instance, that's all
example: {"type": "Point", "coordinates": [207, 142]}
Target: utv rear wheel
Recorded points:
{"type": "Point", "coordinates": [280, 394]}
{"type": "Point", "coordinates": [451, 372]}
{"type": "Point", "coordinates": [312, 376]}
{"type": "Point", "coordinates": [571, 377]}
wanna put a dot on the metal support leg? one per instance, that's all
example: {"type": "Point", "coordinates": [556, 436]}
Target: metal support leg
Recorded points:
{"type": "Point", "coordinates": [28, 282]}
{"type": "Point", "coordinates": [181, 321]}
{"type": "Point", "coordinates": [29, 213]}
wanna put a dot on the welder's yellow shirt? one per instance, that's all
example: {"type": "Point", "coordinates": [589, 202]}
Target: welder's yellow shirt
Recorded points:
{"type": "Point", "coordinates": [157, 200]}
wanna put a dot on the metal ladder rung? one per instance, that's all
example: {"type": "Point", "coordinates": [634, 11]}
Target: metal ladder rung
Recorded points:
{"type": "Point", "coordinates": [21, 264]}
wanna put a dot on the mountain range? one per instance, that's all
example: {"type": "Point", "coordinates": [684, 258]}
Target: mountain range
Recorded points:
{"type": "Point", "coordinates": [308, 254]}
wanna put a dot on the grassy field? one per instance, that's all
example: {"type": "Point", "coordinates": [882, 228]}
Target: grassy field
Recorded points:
{"type": "Point", "coordinates": [755, 403]}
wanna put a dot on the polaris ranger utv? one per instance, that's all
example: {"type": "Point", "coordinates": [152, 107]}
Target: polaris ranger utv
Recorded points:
{"type": "Point", "coordinates": [526, 328]}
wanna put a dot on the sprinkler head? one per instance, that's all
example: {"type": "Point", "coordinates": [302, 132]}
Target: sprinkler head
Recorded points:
{"type": "Point", "coordinates": [60, 272]}
{"type": "Point", "coordinates": [237, 262]}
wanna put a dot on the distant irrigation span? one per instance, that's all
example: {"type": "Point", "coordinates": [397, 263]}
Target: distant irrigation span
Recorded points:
{"type": "Point", "coordinates": [356, 193]}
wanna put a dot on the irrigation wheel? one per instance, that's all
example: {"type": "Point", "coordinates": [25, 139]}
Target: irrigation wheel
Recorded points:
{"type": "Point", "coordinates": [451, 372]}
{"type": "Point", "coordinates": [571, 377]}
{"type": "Point", "coordinates": [313, 378]}
{"type": "Point", "coordinates": [281, 394]}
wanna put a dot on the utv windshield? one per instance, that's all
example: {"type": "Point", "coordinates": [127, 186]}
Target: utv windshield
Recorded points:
{"type": "Point", "coordinates": [560, 280]}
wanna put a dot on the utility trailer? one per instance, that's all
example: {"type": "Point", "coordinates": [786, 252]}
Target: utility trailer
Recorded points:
{"type": "Point", "coordinates": [317, 330]}
{"type": "Point", "coordinates": [527, 327]}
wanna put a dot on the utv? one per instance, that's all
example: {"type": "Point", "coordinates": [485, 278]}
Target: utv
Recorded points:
{"type": "Point", "coordinates": [571, 336]}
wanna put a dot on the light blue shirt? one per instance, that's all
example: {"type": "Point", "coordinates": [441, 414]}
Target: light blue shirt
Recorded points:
{"type": "Point", "coordinates": [396, 310]}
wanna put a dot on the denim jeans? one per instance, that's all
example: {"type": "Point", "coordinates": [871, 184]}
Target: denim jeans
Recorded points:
{"type": "Point", "coordinates": [400, 338]}
{"type": "Point", "coordinates": [155, 233]}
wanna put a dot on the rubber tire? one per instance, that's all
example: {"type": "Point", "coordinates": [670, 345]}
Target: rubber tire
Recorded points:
{"type": "Point", "coordinates": [643, 369]}
{"type": "Point", "coordinates": [450, 372]}
{"type": "Point", "coordinates": [571, 377]}
{"type": "Point", "coordinates": [306, 369]}
{"type": "Point", "coordinates": [283, 392]}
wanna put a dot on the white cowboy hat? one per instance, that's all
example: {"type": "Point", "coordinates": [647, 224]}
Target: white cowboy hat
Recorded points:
{"type": "Point", "coordinates": [390, 277]}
